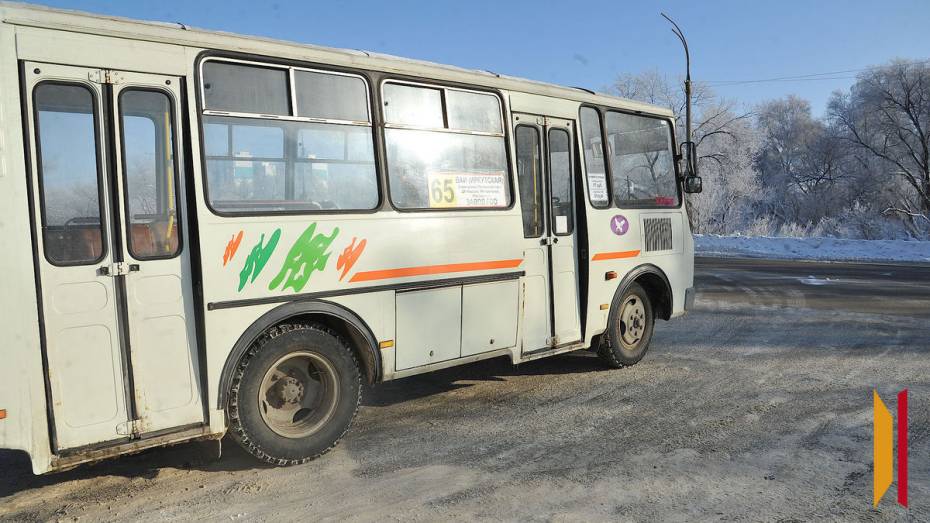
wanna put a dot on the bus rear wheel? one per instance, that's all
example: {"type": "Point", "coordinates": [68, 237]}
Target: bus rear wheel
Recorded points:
{"type": "Point", "coordinates": [294, 394]}
{"type": "Point", "coordinates": [629, 329]}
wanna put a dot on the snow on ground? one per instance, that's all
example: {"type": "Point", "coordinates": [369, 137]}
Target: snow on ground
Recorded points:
{"type": "Point", "coordinates": [822, 249]}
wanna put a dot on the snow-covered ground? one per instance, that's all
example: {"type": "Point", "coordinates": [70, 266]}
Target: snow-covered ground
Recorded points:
{"type": "Point", "coordinates": [825, 249]}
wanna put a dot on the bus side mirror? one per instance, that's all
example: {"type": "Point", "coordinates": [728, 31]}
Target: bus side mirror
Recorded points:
{"type": "Point", "coordinates": [693, 183]}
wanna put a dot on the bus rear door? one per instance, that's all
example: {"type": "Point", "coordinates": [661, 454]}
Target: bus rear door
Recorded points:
{"type": "Point", "coordinates": [112, 253]}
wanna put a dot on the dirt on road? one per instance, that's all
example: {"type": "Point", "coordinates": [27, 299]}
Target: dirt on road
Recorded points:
{"type": "Point", "coordinates": [756, 406]}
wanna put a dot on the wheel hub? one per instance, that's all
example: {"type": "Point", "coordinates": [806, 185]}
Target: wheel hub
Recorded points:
{"type": "Point", "coordinates": [632, 322]}
{"type": "Point", "coordinates": [291, 390]}
{"type": "Point", "coordinates": [298, 394]}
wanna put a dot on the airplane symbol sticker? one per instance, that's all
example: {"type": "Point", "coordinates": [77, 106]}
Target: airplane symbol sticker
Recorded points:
{"type": "Point", "coordinates": [619, 224]}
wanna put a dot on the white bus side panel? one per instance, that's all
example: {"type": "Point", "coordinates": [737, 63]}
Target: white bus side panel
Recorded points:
{"type": "Point", "coordinates": [22, 383]}
{"type": "Point", "coordinates": [85, 50]}
{"type": "Point", "coordinates": [677, 263]}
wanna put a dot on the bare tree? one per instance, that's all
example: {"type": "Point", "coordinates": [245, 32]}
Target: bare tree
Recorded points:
{"type": "Point", "coordinates": [732, 192]}
{"type": "Point", "coordinates": [823, 159]}
{"type": "Point", "coordinates": [887, 113]}
{"type": "Point", "coordinates": [801, 161]}
{"type": "Point", "coordinates": [787, 128]}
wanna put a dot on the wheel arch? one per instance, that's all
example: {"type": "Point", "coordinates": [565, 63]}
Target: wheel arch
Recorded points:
{"type": "Point", "coordinates": [655, 282]}
{"type": "Point", "coordinates": [342, 320]}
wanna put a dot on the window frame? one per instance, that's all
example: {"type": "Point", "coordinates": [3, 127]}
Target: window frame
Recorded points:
{"type": "Point", "coordinates": [571, 179]}
{"type": "Point", "coordinates": [290, 96]}
{"type": "Point", "coordinates": [124, 174]}
{"type": "Point", "coordinates": [542, 162]}
{"type": "Point", "coordinates": [604, 151]}
{"type": "Point", "coordinates": [290, 66]}
{"type": "Point", "coordinates": [671, 145]}
{"type": "Point", "coordinates": [102, 203]}
{"type": "Point", "coordinates": [443, 87]}
{"type": "Point", "coordinates": [291, 91]}
{"type": "Point", "coordinates": [608, 167]}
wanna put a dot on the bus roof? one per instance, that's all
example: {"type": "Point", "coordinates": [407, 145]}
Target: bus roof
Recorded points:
{"type": "Point", "coordinates": [16, 13]}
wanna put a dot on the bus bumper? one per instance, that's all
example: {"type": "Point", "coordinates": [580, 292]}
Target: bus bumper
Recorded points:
{"type": "Point", "coordinates": [689, 298]}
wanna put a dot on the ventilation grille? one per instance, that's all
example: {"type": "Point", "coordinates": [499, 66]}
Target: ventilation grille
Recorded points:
{"type": "Point", "coordinates": [658, 234]}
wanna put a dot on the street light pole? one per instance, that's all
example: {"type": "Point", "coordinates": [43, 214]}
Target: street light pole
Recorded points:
{"type": "Point", "coordinates": [684, 42]}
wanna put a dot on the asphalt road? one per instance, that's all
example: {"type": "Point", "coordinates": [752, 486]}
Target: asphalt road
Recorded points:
{"type": "Point", "coordinates": [756, 406]}
{"type": "Point", "coordinates": [901, 290]}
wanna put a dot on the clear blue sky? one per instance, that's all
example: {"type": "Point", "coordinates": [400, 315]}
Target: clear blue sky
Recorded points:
{"type": "Point", "coordinates": [588, 43]}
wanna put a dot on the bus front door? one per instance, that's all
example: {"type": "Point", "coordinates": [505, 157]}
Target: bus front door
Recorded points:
{"type": "Point", "coordinates": [545, 172]}
{"type": "Point", "coordinates": [113, 266]}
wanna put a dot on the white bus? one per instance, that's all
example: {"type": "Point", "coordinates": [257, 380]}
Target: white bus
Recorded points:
{"type": "Point", "coordinates": [205, 233]}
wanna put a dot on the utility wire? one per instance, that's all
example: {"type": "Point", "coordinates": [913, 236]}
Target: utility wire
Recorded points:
{"type": "Point", "coordinates": [807, 77]}
{"type": "Point", "coordinates": [741, 82]}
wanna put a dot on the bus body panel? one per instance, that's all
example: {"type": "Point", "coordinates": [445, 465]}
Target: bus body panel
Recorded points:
{"type": "Point", "coordinates": [411, 262]}
{"type": "Point", "coordinates": [89, 50]}
{"type": "Point", "coordinates": [677, 264]}
{"type": "Point", "coordinates": [445, 246]}
{"type": "Point", "coordinates": [22, 388]}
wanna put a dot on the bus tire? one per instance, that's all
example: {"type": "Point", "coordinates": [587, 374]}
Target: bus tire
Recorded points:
{"type": "Point", "coordinates": [294, 394]}
{"type": "Point", "coordinates": [629, 330]}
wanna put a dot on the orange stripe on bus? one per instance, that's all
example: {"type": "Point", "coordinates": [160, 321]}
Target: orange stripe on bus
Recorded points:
{"type": "Point", "coordinates": [2, 413]}
{"type": "Point", "coordinates": [615, 255]}
{"type": "Point", "coordinates": [385, 274]}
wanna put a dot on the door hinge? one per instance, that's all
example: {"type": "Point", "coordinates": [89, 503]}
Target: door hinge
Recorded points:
{"type": "Point", "coordinates": [103, 76]}
{"type": "Point", "coordinates": [118, 269]}
{"type": "Point", "coordinates": [129, 428]}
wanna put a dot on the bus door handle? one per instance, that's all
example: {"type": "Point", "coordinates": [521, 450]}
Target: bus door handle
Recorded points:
{"type": "Point", "coordinates": [548, 241]}
{"type": "Point", "coordinates": [118, 269]}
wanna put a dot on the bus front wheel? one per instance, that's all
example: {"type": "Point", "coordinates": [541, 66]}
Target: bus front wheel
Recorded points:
{"type": "Point", "coordinates": [294, 394]}
{"type": "Point", "coordinates": [629, 329]}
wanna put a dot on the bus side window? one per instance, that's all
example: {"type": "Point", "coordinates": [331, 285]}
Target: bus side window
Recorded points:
{"type": "Point", "coordinates": [445, 148]}
{"type": "Point", "coordinates": [529, 177]}
{"type": "Point", "coordinates": [241, 88]}
{"type": "Point", "coordinates": [245, 161]}
{"type": "Point", "coordinates": [593, 146]}
{"type": "Point", "coordinates": [149, 173]}
{"type": "Point", "coordinates": [321, 158]}
{"type": "Point", "coordinates": [68, 168]}
{"type": "Point", "coordinates": [560, 174]}
{"type": "Point", "coordinates": [642, 164]}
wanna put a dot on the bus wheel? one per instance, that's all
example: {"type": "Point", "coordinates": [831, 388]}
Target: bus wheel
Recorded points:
{"type": "Point", "coordinates": [294, 394]}
{"type": "Point", "coordinates": [629, 330]}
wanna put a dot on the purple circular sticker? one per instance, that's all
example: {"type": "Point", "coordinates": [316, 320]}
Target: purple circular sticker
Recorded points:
{"type": "Point", "coordinates": [619, 224]}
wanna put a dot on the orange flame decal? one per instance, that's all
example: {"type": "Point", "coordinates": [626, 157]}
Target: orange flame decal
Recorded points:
{"type": "Point", "coordinates": [349, 256]}
{"type": "Point", "coordinates": [232, 247]}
